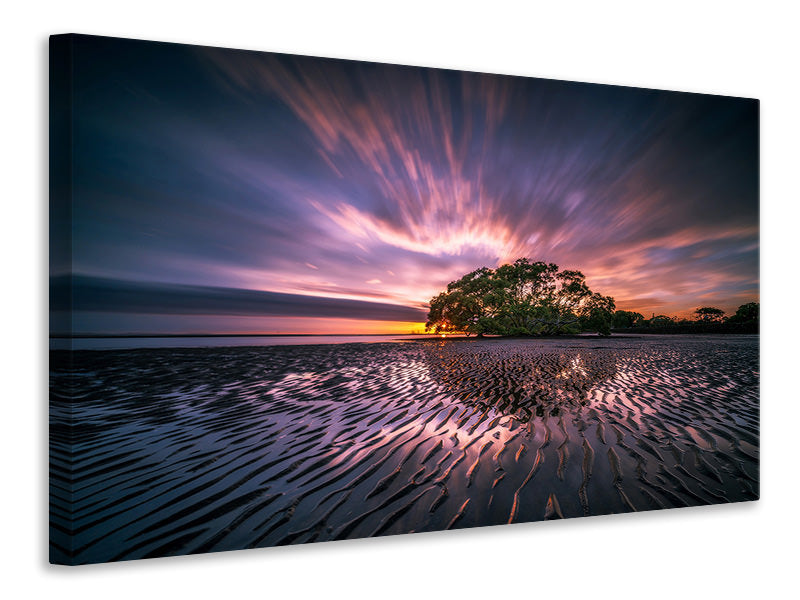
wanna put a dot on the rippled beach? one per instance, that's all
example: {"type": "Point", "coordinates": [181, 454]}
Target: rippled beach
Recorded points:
{"type": "Point", "coordinates": [176, 451]}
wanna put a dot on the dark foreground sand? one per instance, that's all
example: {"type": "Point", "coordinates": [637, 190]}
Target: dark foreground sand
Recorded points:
{"type": "Point", "coordinates": [178, 451]}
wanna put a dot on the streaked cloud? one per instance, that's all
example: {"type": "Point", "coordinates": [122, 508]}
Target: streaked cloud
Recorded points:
{"type": "Point", "coordinates": [98, 294]}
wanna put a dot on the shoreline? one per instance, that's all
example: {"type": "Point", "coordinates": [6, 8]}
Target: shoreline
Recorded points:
{"type": "Point", "coordinates": [100, 344]}
{"type": "Point", "coordinates": [616, 334]}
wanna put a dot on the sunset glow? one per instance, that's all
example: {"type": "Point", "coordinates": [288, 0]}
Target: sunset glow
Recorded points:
{"type": "Point", "coordinates": [351, 193]}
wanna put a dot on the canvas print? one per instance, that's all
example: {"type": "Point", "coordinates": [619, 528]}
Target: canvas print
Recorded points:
{"type": "Point", "coordinates": [297, 299]}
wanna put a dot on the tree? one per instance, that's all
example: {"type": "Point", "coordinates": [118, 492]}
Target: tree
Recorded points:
{"type": "Point", "coordinates": [523, 298]}
{"type": "Point", "coordinates": [746, 313]}
{"type": "Point", "coordinates": [661, 321]}
{"type": "Point", "coordinates": [625, 318]}
{"type": "Point", "coordinates": [598, 314]}
{"type": "Point", "coordinates": [709, 314]}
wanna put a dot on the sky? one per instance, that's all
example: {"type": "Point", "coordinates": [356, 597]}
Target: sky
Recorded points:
{"type": "Point", "coordinates": [225, 191]}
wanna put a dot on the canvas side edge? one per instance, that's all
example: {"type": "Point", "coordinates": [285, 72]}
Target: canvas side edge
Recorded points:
{"type": "Point", "coordinates": [60, 298]}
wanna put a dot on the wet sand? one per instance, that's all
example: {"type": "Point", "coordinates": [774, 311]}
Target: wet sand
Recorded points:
{"type": "Point", "coordinates": [178, 451]}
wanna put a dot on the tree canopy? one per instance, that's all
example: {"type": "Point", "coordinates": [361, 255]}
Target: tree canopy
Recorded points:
{"type": "Point", "coordinates": [710, 314]}
{"type": "Point", "coordinates": [626, 318]}
{"type": "Point", "coordinates": [523, 298]}
{"type": "Point", "coordinates": [746, 313]}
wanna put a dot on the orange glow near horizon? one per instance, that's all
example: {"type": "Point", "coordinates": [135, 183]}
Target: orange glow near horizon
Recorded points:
{"type": "Point", "coordinates": [320, 326]}
{"type": "Point", "coordinates": [143, 324]}
{"type": "Point", "coordinates": [351, 327]}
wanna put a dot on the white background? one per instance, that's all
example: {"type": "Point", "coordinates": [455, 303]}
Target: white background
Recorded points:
{"type": "Point", "coordinates": [733, 48]}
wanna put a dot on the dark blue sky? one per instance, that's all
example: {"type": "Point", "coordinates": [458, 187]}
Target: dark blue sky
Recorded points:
{"type": "Point", "coordinates": [207, 168]}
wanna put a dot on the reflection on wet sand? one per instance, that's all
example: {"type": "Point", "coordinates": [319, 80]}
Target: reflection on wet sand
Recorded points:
{"type": "Point", "coordinates": [177, 451]}
{"type": "Point", "coordinates": [532, 381]}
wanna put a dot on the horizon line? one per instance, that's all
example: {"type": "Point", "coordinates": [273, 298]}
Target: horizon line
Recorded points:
{"type": "Point", "coordinates": [172, 335]}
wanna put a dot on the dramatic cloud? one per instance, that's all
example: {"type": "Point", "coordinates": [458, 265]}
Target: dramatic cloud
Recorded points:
{"type": "Point", "coordinates": [358, 181]}
{"type": "Point", "coordinates": [118, 296]}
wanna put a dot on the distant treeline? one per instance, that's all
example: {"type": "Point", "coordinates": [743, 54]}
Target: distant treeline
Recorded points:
{"type": "Point", "coordinates": [708, 319]}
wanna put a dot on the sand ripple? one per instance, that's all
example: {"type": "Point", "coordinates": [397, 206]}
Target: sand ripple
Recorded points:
{"type": "Point", "coordinates": [176, 451]}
